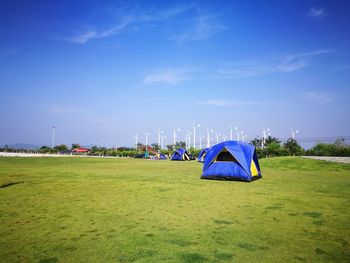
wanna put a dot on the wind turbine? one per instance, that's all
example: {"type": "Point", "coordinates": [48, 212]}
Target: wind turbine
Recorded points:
{"type": "Point", "coordinates": [208, 137]}
{"type": "Point", "coordinates": [146, 135]}
{"type": "Point", "coordinates": [194, 133]}
{"type": "Point", "coordinates": [217, 137]}
{"type": "Point", "coordinates": [231, 133]}
{"type": "Point", "coordinates": [163, 137]}
{"type": "Point", "coordinates": [200, 140]}
{"type": "Point", "coordinates": [159, 131]}
{"type": "Point", "coordinates": [264, 136]}
{"type": "Point", "coordinates": [189, 139]}
{"type": "Point", "coordinates": [237, 132]}
{"type": "Point", "coordinates": [136, 140]}
{"type": "Point", "coordinates": [243, 136]}
{"type": "Point", "coordinates": [174, 136]}
{"type": "Point", "coordinates": [293, 133]}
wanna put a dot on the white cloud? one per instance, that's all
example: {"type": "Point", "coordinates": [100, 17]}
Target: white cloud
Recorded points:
{"type": "Point", "coordinates": [291, 66]}
{"type": "Point", "coordinates": [131, 19]}
{"type": "Point", "coordinates": [203, 27]}
{"type": "Point", "coordinates": [228, 103]}
{"type": "Point", "coordinates": [320, 98]}
{"type": "Point", "coordinates": [198, 28]}
{"type": "Point", "coordinates": [167, 76]}
{"type": "Point", "coordinates": [307, 54]}
{"type": "Point", "coordinates": [114, 29]}
{"type": "Point", "coordinates": [165, 13]}
{"type": "Point", "coordinates": [82, 38]}
{"type": "Point", "coordinates": [316, 12]}
{"type": "Point", "coordinates": [258, 67]}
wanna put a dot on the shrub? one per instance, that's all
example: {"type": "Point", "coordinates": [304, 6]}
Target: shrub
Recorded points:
{"type": "Point", "coordinates": [335, 149]}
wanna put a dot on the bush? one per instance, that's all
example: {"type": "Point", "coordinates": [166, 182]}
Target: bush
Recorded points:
{"type": "Point", "coordinates": [293, 148]}
{"type": "Point", "coordinates": [335, 149]}
{"type": "Point", "coordinates": [273, 149]}
{"type": "Point", "coordinates": [194, 152]}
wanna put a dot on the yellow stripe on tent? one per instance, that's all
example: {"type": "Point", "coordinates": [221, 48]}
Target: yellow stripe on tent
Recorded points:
{"type": "Point", "coordinates": [253, 169]}
{"type": "Point", "coordinates": [185, 157]}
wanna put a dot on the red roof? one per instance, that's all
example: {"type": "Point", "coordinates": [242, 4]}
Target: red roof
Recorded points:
{"type": "Point", "coordinates": [80, 150]}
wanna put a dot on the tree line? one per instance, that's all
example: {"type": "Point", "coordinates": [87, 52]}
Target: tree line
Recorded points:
{"type": "Point", "coordinates": [268, 147]}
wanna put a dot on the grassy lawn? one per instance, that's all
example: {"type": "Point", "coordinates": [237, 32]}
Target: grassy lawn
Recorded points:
{"type": "Point", "coordinates": [126, 210]}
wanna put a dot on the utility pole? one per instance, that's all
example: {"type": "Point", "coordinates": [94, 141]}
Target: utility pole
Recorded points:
{"type": "Point", "coordinates": [53, 137]}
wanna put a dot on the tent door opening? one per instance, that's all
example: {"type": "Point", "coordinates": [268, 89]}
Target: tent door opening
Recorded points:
{"type": "Point", "coordinates": [225, 156]}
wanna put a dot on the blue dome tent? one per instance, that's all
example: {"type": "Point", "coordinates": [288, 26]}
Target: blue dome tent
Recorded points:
{"type": "Point", "coordinates": [160, 156]}
{"type": "Point", "coordinates": [180, 155]}
{"type": "Point", "coordinates": [231, 160]}
{"type": "Point", "coordinates": [202, 154]}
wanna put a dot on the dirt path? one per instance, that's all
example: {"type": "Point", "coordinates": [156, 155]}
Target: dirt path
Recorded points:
{"type": "Point", "coordinates": [331, 159]}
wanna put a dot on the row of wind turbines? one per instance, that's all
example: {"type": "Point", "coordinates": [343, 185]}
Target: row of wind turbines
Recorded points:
{"type": "Point", "coordinates": [190, 136]}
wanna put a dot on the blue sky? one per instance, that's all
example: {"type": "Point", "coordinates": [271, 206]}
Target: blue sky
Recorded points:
{"type": "Point", "coordinates": [102, 71]}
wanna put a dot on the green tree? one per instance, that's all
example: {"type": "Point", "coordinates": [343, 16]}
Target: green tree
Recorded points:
{"type": "Point", "coordinates": [155, 146]}
{"type": "Point", "coordinates": [273, 149]}
{"type": "Point", "coordinates": [270, 140]}
{"type": "Point", "coordinates": [61, 148]}
{"type": "Point", "coordinates": [75, 145]}
{"type": "Point", "coordinates": [170, 147]}
{"type": "Point", "coordinates": [195, 152]}
{"type": "Point", "coordinates": [256, 142]}
{"type": "Point", "coordinates": [338, 148]}
{"type": "Point", "coordinates": [141, 147]}
{"type": "Point", "coordinates": [94, 149]}
{"type": "Point", "coordinates": [340, 143]}
{"type": "Point", "coordinates": [293, 147]}
{"type": "Point", "coordinates": [44, 149]}
{"type": "Point", "coordinates": [180, 144]}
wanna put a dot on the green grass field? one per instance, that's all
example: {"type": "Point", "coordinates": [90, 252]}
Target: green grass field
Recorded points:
{"type": "Point", "coordinates": [129, 210]}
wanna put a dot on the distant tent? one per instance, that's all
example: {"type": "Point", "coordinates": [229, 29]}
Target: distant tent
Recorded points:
{"type": "Point", "coordinates": [232, 160]}
{"type": "Point", "coordinates": [160, 156]}
{"type": "Point", "coordinates": [202, 154]}
{"type": "Point", "coordinates": [180, 155]}
{"type": "Point", "coordinates": [140, 155]}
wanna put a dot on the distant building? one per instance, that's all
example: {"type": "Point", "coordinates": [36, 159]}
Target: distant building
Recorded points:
{"type": "Point", "coordinates": [80, 150]}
